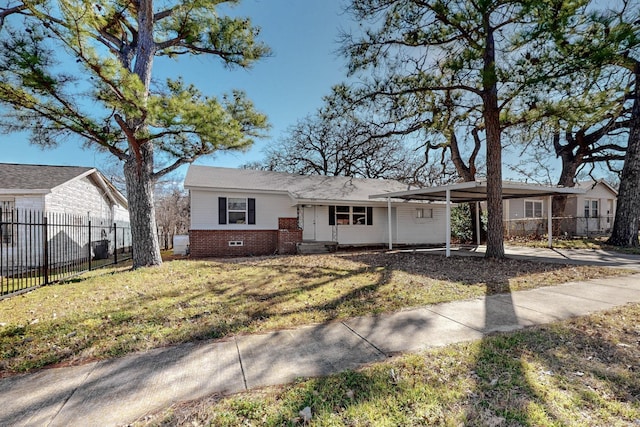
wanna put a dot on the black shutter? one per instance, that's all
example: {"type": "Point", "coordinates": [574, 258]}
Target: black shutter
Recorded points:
{"type": "Point", "coordinates": [222, 210]}
{"type": "Point", "coordinates": [252, 211]}
{"type": "Point", "coordinates": [369, 215]}
{"type": "Point", "coordinates": [332, 215]}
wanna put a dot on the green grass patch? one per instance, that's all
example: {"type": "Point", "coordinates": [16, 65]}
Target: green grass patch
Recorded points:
{"type": "Point", "coordinates": [580, 372]}
{"type": "Point", "coordinates": [115, 311]}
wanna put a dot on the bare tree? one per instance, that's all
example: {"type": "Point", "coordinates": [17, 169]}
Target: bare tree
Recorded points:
{"type": "Point", "coordinates": [172, 213]}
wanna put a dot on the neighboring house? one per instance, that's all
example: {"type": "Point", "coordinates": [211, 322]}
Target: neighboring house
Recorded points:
{"type": "Point", "coordinates": [590, 213]}
{"type": "Point", "coordinates": [66, 193]}
{"type": "Point", "coordinates": [237, 212]}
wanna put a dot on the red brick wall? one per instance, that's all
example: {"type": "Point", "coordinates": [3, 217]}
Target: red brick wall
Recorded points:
{"type": "Point", "coordinates": [215, 243]}
{"type": "Point", "coordinates": [288, 223]}
{"type": "Point", "coordinates": [288, 240]}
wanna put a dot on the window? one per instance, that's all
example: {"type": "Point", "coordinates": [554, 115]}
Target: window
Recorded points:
{"type": "Point", "coordinates": [7, 222]}
{"type": "Point", "coordinates": [591, 208]}
{"type": "Point", "coordinates": [424, 213]}
{"type": "Point", "coordinates": [236, 210]}
{"type": "Point", "coordinates": [343, 215]}
{"type": "Point", "coordinates": [350, 215]}
{"type": "Point", "coordinates": [533, 209]}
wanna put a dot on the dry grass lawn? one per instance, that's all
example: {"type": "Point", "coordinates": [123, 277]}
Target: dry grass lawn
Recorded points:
{"type": "Point", "coordinates": [112, 312]}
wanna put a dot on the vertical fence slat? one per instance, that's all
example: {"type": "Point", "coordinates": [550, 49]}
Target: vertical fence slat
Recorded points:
{"type": "Point", "coordinates": [45, 248]}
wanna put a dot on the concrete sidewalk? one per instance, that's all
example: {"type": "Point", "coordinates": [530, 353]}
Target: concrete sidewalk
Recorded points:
{"type": "Point", "coordinates": [595, 257]}
{"type": "Point", "coordinates": [118, 391]}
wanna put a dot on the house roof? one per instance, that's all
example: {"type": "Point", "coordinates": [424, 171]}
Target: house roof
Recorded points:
{"type": "Point", "coordinates": [476, 191]}
{"type": "Point", "coordinates": [588, 185]}
{"type": "Point", "coordinates": [42, 179]}
{"type": "Point", "coordinates": [304, 188]}
{"type": "Point", "coordinates": [37, 177]}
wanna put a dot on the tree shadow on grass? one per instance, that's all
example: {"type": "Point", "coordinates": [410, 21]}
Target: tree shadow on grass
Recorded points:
{"type": "Point", "coordinates": [563, 374]}
{"type": "Point", "coordinates": [334, 288]}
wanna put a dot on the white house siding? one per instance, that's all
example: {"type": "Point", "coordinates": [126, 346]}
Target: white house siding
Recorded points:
{"type": "Point", "coordinates": [517, 221]}
{"type": "Point", "coordinates": [406, 228]}
{"type": "Point", "coordinates": [412, 230]}
{"type": "Point", "coordinates": [29, 203]}
{"type": "Point", "coordinates": [29, 207]}
{"type": "Point", "coordinates": [351, 234]}
{"type": "Point", "coordinates": [80, 197]}
{"type": "Point", "coordinates": [269, 207]}
{"type": "Point", "coordinates": [606, 211]}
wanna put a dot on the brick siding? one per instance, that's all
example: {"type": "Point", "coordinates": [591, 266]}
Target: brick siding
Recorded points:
{"type": "Point", "coordinates": [215, 243]}
{"type": "Point", "coordinates": [288, 224]}
{"type": "Point", "coordinates": [288, 240]}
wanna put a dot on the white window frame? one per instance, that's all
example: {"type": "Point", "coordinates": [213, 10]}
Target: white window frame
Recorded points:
{"type": "Point", "coordinates": [230, 211]}
{"type": "Point", "coordinates": [589, 208]}
{"type": "Point", "coordinates": [534, 211]}
{"type": "Point", "coordinates": [424, 213]}
{"type": "Point", "coordinates": [351, 215]}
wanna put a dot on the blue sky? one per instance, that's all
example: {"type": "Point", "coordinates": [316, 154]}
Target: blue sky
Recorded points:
{"type": "Point", "coordinates": [286, 86]}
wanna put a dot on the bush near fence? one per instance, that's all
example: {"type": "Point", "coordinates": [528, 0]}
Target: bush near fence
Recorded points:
{"type": "Point", "coordinates": [37, 248]}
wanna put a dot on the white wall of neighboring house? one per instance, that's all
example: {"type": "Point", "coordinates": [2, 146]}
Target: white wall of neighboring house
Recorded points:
{"type": "Point", "coordinates": [574, 219]}
{"type": "Point", "coordinates": [28, 202]}
{"type": "Point", "coordinates": [519, 220]}
{"type": "Point", "coordinates": [606, 207]}
{"type": "Point", "coordinates": [78, 198]}
{"type": "Point", "coordinates": [81, 197]}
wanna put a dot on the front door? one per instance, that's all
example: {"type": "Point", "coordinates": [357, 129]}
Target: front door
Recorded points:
{"type": "Point", "coordinates": [309, 223]}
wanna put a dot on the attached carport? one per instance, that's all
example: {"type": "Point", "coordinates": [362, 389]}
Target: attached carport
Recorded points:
{"type": "Point", "coordinates": [475, 191]}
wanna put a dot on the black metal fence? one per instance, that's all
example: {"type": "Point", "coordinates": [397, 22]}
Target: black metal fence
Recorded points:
{"type": "Point", "coordinates": [37, 249]}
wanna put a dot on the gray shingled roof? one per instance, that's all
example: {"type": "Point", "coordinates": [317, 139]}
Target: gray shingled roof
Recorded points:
{"type": "Point", "coordinates": [301, 187]}
{"type": "Point", "coordinates": [37, 177]}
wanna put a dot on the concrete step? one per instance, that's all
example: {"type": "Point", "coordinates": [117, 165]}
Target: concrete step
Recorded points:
{"type": "Point", "coordinates": [317, 247]}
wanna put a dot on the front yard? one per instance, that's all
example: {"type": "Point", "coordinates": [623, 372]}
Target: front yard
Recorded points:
{"type": "Point", "coordinates": [112, 312]}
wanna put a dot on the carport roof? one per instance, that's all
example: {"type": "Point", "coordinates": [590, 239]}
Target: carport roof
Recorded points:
{"type": "Point", "coordinates": [476, 191]}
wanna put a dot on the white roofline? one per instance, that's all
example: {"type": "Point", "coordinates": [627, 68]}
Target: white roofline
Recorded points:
{"type": "Point", "coordinates": [18, 192]}
{"type": "Point", "coordinates": [530, 189]}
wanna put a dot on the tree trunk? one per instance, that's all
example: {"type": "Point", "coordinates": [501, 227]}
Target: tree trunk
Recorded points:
{"type": "Point", "coordinates": [567, 179]}
{"type": "Point", "coordinates": [140, 185]}
{"type": "Point", "coordinates": [627, 221]}
{"type": "Point", "coordinates": [491, 113]}
{"type": "Point", "coordinates": [474, 235]}
{"type": "Point", "coordinates": [138, 168]}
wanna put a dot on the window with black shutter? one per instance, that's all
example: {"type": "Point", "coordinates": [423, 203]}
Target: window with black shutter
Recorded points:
{"type": "Point", "coordinates": [222, 210]}
{"type": "Point", "coordinates": [236, 210]}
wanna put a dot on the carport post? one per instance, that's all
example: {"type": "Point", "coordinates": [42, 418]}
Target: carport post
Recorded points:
{"type": "Point", "coordinates": [550, 221]}
{"type": "Point", "coordinates": [389, 222]}
{"type": "Point", "coordinates": [448, 227]}
{"type": "Point", "coordinates": [478, 222]}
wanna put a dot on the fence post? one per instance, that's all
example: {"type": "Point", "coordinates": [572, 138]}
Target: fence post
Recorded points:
{"type": "Point", "coordinates": [115, 243]}
{"type": "Point", "coordinates": [89, 246]}
{"type": "Point", "coordinates": [45, 238]}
